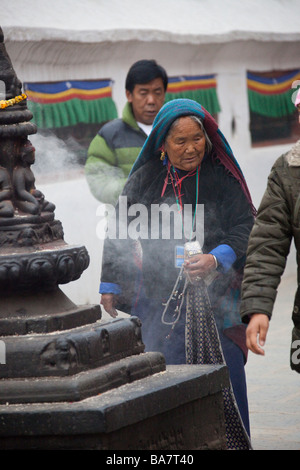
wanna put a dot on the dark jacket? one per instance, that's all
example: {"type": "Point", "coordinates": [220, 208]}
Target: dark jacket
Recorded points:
{"type": "Point", "coordinates": [276, 225]}
{"type": "Point", "coordinates": [227, 220]}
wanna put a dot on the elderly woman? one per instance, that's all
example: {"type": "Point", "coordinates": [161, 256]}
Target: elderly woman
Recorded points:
{"type": "Point", "coordinates": [185, 164]}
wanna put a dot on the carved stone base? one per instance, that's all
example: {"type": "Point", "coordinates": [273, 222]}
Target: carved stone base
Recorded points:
{"type": "Point", "coordinates": [70, 352]}
{"type": "Point", "coordinates": [180, 408]}
{"type": "Point", "coordinates": [29, 230]}
{"type": "Point", "coordinates": [84, 384]}
{"type": "Point", "coordinates": [43, 312]}
{"type": "Point", "coordinates": [41, 268]}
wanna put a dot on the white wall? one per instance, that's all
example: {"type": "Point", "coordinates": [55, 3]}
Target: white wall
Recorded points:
{"type": "Point", "coordinates": [50, 61]}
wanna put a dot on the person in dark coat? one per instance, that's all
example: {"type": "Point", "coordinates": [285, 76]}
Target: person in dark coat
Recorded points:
{"type": "Point", "coordinates": [185, 186]}
{"type": "Point", "coordinates": [276, 226]}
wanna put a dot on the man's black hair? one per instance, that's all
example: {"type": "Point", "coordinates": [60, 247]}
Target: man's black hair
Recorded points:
{"type": "Point", "coordinates": [144, 71]}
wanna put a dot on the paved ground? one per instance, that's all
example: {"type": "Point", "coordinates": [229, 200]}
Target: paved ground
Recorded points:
{"type": "Point", "coordinates": [273, 388]}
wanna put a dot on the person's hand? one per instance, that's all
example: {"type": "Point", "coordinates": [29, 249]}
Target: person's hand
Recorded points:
{"type": "Point", "coordinates": [108, 301]}
{"type": "Point", "coordinates": [199, 265]}
{"type": "Point", "coordinates": [256, 333]}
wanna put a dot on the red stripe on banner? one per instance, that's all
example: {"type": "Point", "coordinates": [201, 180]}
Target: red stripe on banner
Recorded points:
{"type": "Point", "coordinates": [269, 92]}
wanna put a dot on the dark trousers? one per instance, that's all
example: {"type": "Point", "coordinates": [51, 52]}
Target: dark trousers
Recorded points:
{"type": "Point", "coordinates": [234, 359]}
{"type": "Point", "coordinates": [171, 343]}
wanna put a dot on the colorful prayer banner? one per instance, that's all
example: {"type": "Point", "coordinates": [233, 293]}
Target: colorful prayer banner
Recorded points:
{"type": "Point", "coordinates": [187, 83]}
{"type": "Point", "coordinates": [58, 92]}
{"type": "Point", "coordinates": [201, 88]}
{"type": "Point", "coordinates": [271, 86]}
{"type": "Point", "coordinates": [67, 103]}
{"type": "Point", "coordinates": [272, 97]}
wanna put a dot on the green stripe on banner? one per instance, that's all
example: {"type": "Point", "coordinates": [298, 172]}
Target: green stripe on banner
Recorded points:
{"type": "Point", "coordinates": [275, 105]}
{"type": "Point", "coordinates": [72, 112]}
{"type": "Point", "coordinates": [207, 98]}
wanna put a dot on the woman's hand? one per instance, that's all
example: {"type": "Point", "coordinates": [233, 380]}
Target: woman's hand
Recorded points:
{"type": "Point", "coordinates": [108, 301]}
{"type": "Point", "coordinates": [256, 333]}
{"type": "Point", "coordinates": [199, 265]}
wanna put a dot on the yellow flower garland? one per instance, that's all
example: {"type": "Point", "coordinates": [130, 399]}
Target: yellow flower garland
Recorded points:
{"type": "Point", "coordinates": [12, 101]}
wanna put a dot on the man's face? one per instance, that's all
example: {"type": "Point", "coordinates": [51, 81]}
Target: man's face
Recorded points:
{"type": "Point", "coordinates": [146, 100]}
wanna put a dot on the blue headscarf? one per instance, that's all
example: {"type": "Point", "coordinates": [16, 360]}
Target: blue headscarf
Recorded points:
{"type": "Point", "coordinates": [185, 107]}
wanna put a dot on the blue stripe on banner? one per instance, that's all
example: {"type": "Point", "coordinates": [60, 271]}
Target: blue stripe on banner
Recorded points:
{"type": "Point", "coordinates": [270, 81]}
{"type": "Point", "coordinates": [190, 77]}
{"type": "Point", "coordinates": [59, 87]}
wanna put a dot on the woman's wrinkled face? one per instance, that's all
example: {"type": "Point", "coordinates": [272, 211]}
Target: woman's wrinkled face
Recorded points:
{"type": "Point", "coordinates": [185, 144]}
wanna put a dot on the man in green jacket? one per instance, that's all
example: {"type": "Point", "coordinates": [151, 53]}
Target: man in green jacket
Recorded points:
{"type": "Point", "coordinates": [277, 224]}
{"type": "Point", "coordinates": [115, 148]}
